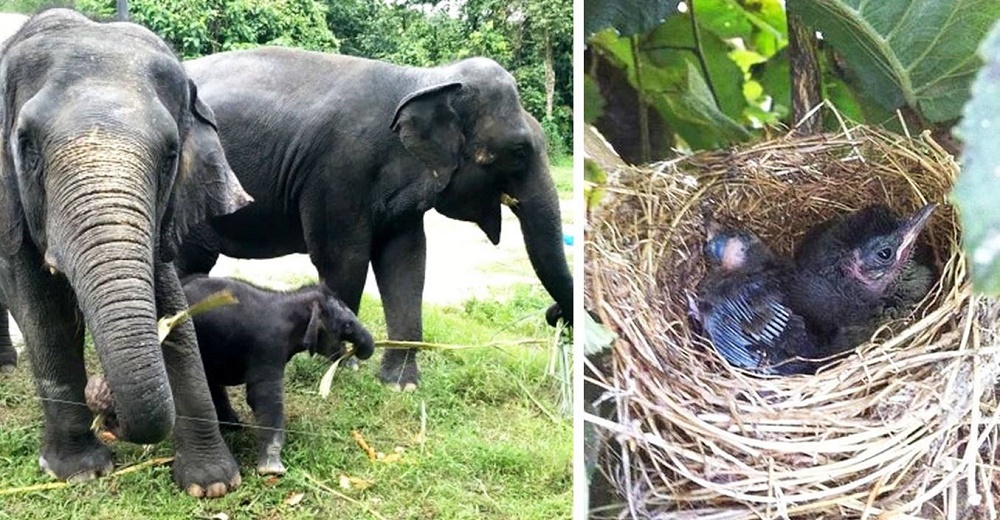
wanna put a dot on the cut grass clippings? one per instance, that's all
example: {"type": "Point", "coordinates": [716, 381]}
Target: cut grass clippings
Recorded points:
{"type": "Point", "coordinates": [470, 443]}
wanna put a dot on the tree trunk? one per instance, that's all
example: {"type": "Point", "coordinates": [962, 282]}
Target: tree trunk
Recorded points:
{"type": "Point", "coordinates": [550, 77]}
{"type": "Point", "coordinates": [806, 86]}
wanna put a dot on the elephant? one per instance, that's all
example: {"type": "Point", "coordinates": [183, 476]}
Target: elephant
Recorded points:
{"type": "Point", "coordinates": [344, 155]}
{"type": "Point", "coordinates": [250, 342]}
{"type": "Point", "coordinates": [108, 157]}
{"type": "Point", "coordinates": [9, 24]}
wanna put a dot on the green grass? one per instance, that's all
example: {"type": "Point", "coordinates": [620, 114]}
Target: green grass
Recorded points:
{"type": "Point", "coordinates": [489, 452]}
{"type": "Point", "coordinates": [562, 174]}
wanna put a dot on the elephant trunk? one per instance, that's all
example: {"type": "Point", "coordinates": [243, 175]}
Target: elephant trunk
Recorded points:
{"type": "Point", "coordinates": [537, 208]}
{"type": "Point", "coordinates": [101, 234]}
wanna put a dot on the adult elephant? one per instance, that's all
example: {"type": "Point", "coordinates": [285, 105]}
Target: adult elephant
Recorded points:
{"type": "Point", "coordinates": [9, 24]}
{"type": "Point", "coordinates": [344, 155]}
{"type": "Point", "coordinates": [108, 156]}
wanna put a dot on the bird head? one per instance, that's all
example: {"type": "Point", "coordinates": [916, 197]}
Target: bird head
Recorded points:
{"type": "Point", "coordinates": [880, 258]}
{"type": "Point", "coordinates": [732, 249]}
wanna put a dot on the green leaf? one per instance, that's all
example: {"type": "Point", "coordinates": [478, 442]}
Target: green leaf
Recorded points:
{"type": "Point", "coordinates": [593, 103]}
{"type": "Point", "coordinates": [627, 17]}
{"type": "Point", "coordinates": [596, 178]}
{"type": "Point", "coordinates": [672, 45]}
{"type": "Point", "coordinates": [668, 76]}
{"type": "Point", "coordinates": [976, 189]}
{"type": "Point", "coordinates": [906, 52]}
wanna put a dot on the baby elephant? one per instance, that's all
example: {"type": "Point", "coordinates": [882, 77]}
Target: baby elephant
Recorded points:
{"type": "Point", "coordinates": [250, 342]}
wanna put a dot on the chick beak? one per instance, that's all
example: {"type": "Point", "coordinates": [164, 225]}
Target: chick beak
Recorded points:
{"type": "Point", "coordinates": [912, 228]}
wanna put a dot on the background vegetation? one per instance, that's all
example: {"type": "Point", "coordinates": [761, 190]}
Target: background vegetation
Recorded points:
{"type": "Point", "coordinates": [531, 38]}
{"type": "Point", "coordinates": [709, 73]}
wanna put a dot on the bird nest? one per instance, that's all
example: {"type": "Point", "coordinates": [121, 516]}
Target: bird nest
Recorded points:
{"type": "Point", "coordinates": [903, 424]}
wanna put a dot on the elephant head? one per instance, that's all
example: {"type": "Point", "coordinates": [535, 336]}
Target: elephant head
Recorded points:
{"type": "Point", "coordinates": [483, 150]}
{"type": "Point", "coordinates": [108, 156]}
{"type": "Point", "coordinates": [330, 323]}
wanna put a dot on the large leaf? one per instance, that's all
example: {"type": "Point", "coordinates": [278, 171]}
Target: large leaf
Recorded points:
{"type": "Point", "coordinates": [627, 16]}
{"type": "Point", "coordinates": [668, 74]}
{"type": "Point", "coordinates": [919, 53]}
{"type": "Point", "coordinates": [664, 47]}
{"type": "Point", "coordinates": [976, 189]}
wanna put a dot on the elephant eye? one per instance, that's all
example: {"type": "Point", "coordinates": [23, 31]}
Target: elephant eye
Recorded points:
{"type": "Point", "coordinates": [30, 159]}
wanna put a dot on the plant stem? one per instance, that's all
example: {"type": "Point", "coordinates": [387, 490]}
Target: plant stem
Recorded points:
{"type": "Point", "coordinates": [643, 116]}
{"type": "Point", "coordinates": [700, 53]}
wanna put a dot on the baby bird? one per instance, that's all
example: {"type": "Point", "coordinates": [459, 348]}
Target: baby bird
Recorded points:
{"type": "Point", "coordinates": [742, 306]}
{"type": "Point", "coordinates": [856, 270]}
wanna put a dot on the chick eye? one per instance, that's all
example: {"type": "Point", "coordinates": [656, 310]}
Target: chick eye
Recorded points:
{"type": "Point", "coordinates": [885, 253]}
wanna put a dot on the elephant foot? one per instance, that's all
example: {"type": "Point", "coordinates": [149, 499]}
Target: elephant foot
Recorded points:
{"type": "Point", "coordinates": [206, 475]}
{"type": "Point", "coordinates": [270, 465]}
{"type": "Point", "coordinates": [8, 360]}
{"type": "Point", "coordinates": [400, 374]}
{"type": "Point", "coordinates": [76, 461]}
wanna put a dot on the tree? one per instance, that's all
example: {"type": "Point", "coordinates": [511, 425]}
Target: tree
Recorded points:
{"type": "Point", "coordinates": [199, 27]}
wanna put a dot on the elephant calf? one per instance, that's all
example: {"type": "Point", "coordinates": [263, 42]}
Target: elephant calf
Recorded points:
{"type": "Point", "coordinates": [250, 342]}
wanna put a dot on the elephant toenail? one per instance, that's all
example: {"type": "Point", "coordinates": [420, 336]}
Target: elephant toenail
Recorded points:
{"type": "Point", "coordinates": [216, 490]}
{"type": "Point", "coordinates": [82, 476]}
{"type": "Point", "coordinates": [235, 482]}
{"type": "Point", "coordinates": [394, 387]}
{"type": "Point", "coordinates": [410, 387]}
{"type": "Point", "coordinates": [195, 490]}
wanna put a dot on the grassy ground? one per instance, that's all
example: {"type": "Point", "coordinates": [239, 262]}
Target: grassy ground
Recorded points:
{"type": "Point", "coordinates": [492, 447]}
{"type": "Point", "coordinates": [562, 174]}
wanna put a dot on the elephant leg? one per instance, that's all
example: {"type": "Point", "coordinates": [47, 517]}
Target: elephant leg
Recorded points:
{"type": "Point", "coordinates": [265, 395]}
{"type": "Point", "coordinates": [344, 274]}
{"type": "Point", "coordinates": [223, 409]}
{"type": "Point", "coordinates": [53, 330]}
{"type": "Point", "coordinates": [203, 465]}
{"type": "Point", "coordinates": [399, 264]}
{"type": "Point", "coordinates": [8, 356]}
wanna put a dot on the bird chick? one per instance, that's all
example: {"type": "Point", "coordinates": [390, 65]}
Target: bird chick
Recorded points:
{"type": "Point", "coordinates": [854, 271]}
{"type": "Point", "coordinates": [741, 306]}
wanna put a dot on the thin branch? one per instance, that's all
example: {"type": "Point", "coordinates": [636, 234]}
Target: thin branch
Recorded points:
{"type": "Point", "coordinates": [643, 115]}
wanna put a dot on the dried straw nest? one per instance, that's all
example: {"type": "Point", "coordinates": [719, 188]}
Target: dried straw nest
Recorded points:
{"type": "Point", "coordinates": [906, 424]}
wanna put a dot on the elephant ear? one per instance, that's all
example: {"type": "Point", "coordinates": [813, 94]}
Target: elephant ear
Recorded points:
{"type": "Point", "coordinates": [205, 185]}
{"type": "Point", "coordinates": [11, 231]}
{"type": "Point", "coordinates": [311, 338]}
{"type": "Point", "coordinates": [11, 212]}
{"type": "Point", "coordinates": [430, 128]}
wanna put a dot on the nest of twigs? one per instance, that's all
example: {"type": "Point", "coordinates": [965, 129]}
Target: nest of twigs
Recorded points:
{"type": "Point", "coordinates": [904, 424]}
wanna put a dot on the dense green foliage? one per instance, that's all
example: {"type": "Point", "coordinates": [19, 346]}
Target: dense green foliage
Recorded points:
{"type": "Point", "coordinates": [199, 27]}
{"type": "Point", "coordinates": [530, 38]}
{"type": "Point", "coordinates": [717, 71]}
{"type": "Point", "coordinates": [514, 33]}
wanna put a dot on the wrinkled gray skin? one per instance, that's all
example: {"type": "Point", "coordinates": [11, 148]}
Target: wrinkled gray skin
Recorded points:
{"type": "Point", "coordinates": [250, 342]}
{"type": "Point", "coordinates": [9, 24]}
{"type": "Point", "coordinates": [344, 156]}
{"type": "Point", "coordinates": [108, 156]}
